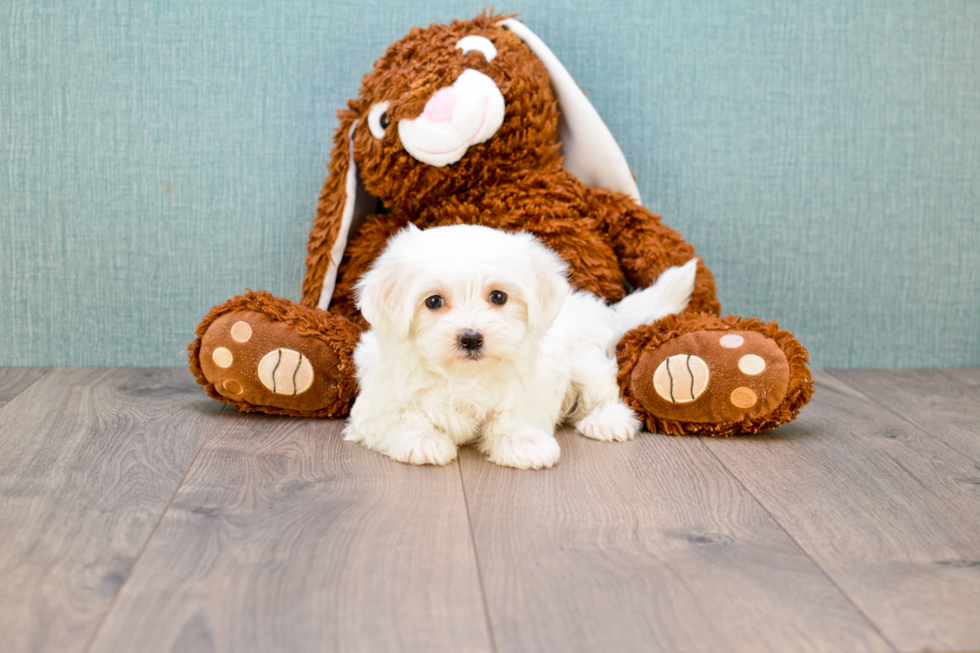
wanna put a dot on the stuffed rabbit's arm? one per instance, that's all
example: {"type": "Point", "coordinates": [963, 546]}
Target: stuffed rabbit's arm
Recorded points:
{"type": "Point", "coordinates": [646, 247]}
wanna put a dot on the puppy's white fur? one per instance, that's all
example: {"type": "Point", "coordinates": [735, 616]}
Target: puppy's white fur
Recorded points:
{"type": "Point", "coordinates": [547, 354]}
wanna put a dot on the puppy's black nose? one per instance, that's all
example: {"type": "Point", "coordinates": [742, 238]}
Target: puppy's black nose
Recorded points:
{"type": "Point", "coordinates": [470, 340]}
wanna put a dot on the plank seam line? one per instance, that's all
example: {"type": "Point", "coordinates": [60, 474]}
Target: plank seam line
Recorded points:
{"type": "Point", "coordinates": [816, 564]}
{"type": "Point", "coordinates": [47, 370]}
{"type": "Point", "coordinates": [915, 424]}
{"type": "Point", "coordinates": [476, 558]}
{"type": "Point", "coordinates": [146, 544]}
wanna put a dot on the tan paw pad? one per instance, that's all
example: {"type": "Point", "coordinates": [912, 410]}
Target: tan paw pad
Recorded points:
{"type": "Point", "coordinates": [731, 341]}
{"type": "Point", "coordinates": [285, 372]}
{"type": "Point", "coordinates": [743, 398]}
{"type": "Point", "coordinates": [681, 379]}
{"type": "Point", "coordinates": [222, 357]}
{"type": "Point", "coordinates": [233, 388]}
{"type": "Point", "coordinates": [241, 331]}
{"type": "Point", "coordinates": [751, 364]}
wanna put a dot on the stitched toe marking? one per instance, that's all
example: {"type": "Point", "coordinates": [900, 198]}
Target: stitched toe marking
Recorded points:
{"type": "Point", "coordinates": [241, 331]}
{"type": "Point", "coordinates": [285, 372]}
{"type": "Point", "coordinates": [731, 341]}
{"type": "Point", "coordinates": [222, 357]}
{"type": "Point", "coordinates": [743, 398]}
{"type": "Point", "coordinates": [751, 364]}
{"type": "Point", "coordinates": [681, 379]}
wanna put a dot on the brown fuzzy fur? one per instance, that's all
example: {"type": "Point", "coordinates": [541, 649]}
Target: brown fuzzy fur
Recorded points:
{"type": "Point", "coordinates": [645, 338]}
{"type": "Point", "coordinates": [514, 181]}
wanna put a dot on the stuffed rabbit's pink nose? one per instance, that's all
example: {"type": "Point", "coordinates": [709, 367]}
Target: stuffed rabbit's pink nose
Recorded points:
{"type": "Point", "coordinates": [440, 106]}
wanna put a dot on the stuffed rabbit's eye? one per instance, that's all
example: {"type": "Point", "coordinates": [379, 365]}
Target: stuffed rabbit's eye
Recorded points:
{"type": "Point", "coordinates": [434, 302]}
{"type": "Point", "coordinates": [378, 119]}
{"type": "Point", "coordinates": [478, 43]}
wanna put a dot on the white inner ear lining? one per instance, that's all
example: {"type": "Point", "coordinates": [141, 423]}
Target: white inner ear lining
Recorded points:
{"type": "Point", "coordinates": [588, 147]}
{"type": "Point", "coordinates": [478, 43]}
{"type": "Point", "coordinates": [351, 215]}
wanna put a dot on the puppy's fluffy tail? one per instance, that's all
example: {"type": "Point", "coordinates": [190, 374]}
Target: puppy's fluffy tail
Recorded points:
{"type": "Point", "coordinates": [670, 294]}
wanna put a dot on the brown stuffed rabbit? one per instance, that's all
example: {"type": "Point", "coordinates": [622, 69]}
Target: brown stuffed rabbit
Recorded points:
{"type": "Point", "coordinates": [478, 122]}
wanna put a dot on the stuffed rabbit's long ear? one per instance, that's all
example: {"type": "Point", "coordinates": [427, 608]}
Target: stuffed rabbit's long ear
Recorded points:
{"type": "Point", "coordinates": [587, 146]}
{"type": "Point", "coordinates": [343, 206]}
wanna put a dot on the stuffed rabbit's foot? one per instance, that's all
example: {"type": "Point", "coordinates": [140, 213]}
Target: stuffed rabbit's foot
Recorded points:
{"type": "Point", "coordinates": [700, 374]}
{"type": "Point", "coordinates": [260, 353]}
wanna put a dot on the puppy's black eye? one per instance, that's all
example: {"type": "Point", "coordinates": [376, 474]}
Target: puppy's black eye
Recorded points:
{"type": "Point", "coordinates": [434, 302]}
{"type": "Point", "coordinates": [383, 120]}
{"type": "Point", "coordinates": [498, 297]}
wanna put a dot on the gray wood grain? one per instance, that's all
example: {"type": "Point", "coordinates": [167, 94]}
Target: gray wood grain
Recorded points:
{"type": "Point", "coordinates": [13, 380]}
{"type": "Point", "coordinates": [891, 513]}
{"type": "Point", "coordinates": [642, 546]}
{"type": "Point", "coordinates": [285, 538]}
{"type": "Point", "coordinates": [967, 376]}
{"type": "Point", "coordinates": [89, 459]}
{"type": "Point", "coordinates": [853, 522]}
{"type": "Point", "coordinates": [935, 400]}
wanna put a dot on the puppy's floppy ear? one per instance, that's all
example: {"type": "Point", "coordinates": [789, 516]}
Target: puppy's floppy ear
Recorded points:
{"type": "Point", "coordinates": [546, 286]}
{"type": "Point", "coordinates": [385, 295]}
{"type": "Point", "coordinates": [344, 203]}
{"type": "Point", "coordinates": [589, 150]}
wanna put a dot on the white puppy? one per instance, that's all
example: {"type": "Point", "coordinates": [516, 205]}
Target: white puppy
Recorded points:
{"type": "Point", "coordinates": [477, 337]}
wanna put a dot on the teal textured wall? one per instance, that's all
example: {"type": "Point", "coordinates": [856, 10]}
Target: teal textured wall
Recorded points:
{"type": "Point", "coordinates": [824, 157]}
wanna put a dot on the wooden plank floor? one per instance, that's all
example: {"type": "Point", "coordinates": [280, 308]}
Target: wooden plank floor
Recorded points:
{"type": "Point", "coordinates": [138, 515]}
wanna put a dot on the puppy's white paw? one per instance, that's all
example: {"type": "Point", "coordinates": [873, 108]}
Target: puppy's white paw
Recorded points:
{"type": "Point", "coordinates": [422, 448]}
{"type": "Point", "coordinates": [610, 422]}
{"type": "Point", "coordinates": [526, 448]}
{"type": "Point", "coordinates": [352, 434]}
